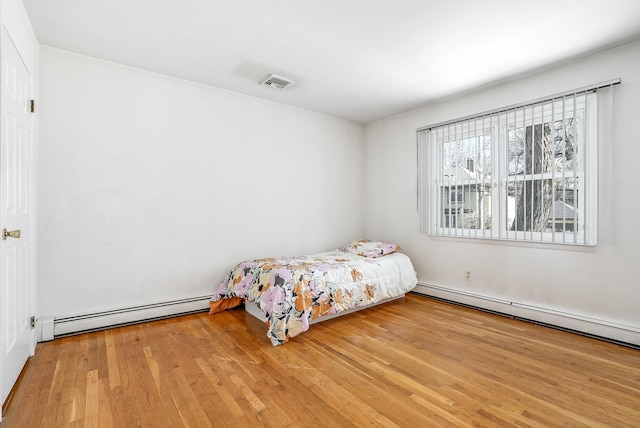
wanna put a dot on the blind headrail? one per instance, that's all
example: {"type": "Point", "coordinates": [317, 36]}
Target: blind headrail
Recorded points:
{"type": "Point", "coordinates": [513, 106]}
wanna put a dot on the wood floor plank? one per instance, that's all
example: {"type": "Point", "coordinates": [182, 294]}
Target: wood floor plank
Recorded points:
{"type": "Point", "coordinates": [66, 406]}
{"type": "Point", "coordinates": [145, 394]}
{"type": "Point", "coordinates": [53, 403]}
{"type": "Point", "coordinates": [91, 412]}
{"type": "Point", "coordinates": [411, 362]}
{"type": "Point", "coordinates": [112, 360]}
{"type": "Point", "coordinates": [31, 391]}
{"type": "Point", "coordinates": [80, 379]}
{"type": "Point", "coordinates": [123, 404]}
{"type": "Point", "coordinates": [231, 409]}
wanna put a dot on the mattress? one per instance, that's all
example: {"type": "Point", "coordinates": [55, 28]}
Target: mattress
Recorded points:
{"type": "Point", "coordinates": [292, 292]}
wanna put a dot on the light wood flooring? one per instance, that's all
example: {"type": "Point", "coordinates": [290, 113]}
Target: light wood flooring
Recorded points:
{"type": "Point", "coordinates": [409, 363]}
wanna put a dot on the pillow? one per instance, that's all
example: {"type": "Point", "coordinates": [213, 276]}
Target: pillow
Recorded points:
{"type": "Point", "coordinates": [366, 248]}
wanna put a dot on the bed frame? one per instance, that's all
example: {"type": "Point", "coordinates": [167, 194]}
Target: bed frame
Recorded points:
{"type": "Point", "coordinates": [252, 309]}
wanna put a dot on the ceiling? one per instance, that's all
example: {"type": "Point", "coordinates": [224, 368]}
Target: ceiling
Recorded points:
{"type": "Point", "coordinates": [361, 60]}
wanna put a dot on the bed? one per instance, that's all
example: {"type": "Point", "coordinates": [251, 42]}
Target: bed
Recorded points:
{"type": "Point", "coordinates": [291, 293]}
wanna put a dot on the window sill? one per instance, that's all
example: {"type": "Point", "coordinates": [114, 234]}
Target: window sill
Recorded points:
{"type": "Point", "coordinates": [583, 248]}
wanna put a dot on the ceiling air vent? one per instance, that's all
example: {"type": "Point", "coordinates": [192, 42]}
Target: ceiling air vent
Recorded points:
{"type": "Point", "coordinates": [276, 81]}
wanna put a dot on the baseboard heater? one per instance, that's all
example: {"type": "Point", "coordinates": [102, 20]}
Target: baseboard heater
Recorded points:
{"type": "Point", "coordinates": [596, 328]}
{"type": "Point", "coordinates": [71, 325]}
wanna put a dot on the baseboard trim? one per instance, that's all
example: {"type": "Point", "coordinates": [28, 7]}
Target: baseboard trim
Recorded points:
{"type": "Point", "coordinates": [76, 324]}
{"type": "Point", "coordinates": [627, 335]}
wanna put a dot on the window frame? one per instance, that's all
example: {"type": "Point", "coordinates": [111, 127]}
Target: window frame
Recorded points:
{"type": "Point", "coordinates": [545, 114]}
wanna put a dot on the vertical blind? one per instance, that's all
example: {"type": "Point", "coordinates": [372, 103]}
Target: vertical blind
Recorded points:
{"type": "Point", "coordinates": [526, 172]}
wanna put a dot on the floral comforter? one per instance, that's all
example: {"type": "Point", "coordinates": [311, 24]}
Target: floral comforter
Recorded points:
{"type": "Point", "coordinates": [292, 291]}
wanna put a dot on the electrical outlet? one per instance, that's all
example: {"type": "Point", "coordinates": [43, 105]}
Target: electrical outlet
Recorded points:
{"type": "Point", "coordinates": [467, 275]}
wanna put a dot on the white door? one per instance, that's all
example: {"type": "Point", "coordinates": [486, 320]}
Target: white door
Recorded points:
{"type": "Point", "coordinates": [17, 295]}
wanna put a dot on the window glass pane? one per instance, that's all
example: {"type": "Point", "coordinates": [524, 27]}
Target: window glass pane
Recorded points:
{"type": "Point", "coordinates": [564, 144]}
{"type": "Point", "coordinates": [531, 155]}
{"type": "Point", "coordinates": [465, 182]}
{"type": "Point", "coordinates": [531, 202]}
{"type": "Point", "coordinates": [564, 214]}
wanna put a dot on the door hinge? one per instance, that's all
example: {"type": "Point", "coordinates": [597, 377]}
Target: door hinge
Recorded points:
{"type": "Point", "coordinates": [32, 322]}
{"type": "Point", "coordinates": [33, 106]}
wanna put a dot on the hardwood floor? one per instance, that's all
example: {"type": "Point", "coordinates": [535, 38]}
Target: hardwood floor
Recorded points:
{"type": "Point", "coordinates": [412, 362]}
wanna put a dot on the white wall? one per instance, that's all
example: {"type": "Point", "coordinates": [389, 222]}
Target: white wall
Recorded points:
{"type": "Point", "coordinates": [602, 284]}
{"type": "Point", "coordinates": [152, 188]}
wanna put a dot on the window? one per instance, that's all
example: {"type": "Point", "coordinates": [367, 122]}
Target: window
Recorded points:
{"type": "Point", "coordinates": [523, 173]}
